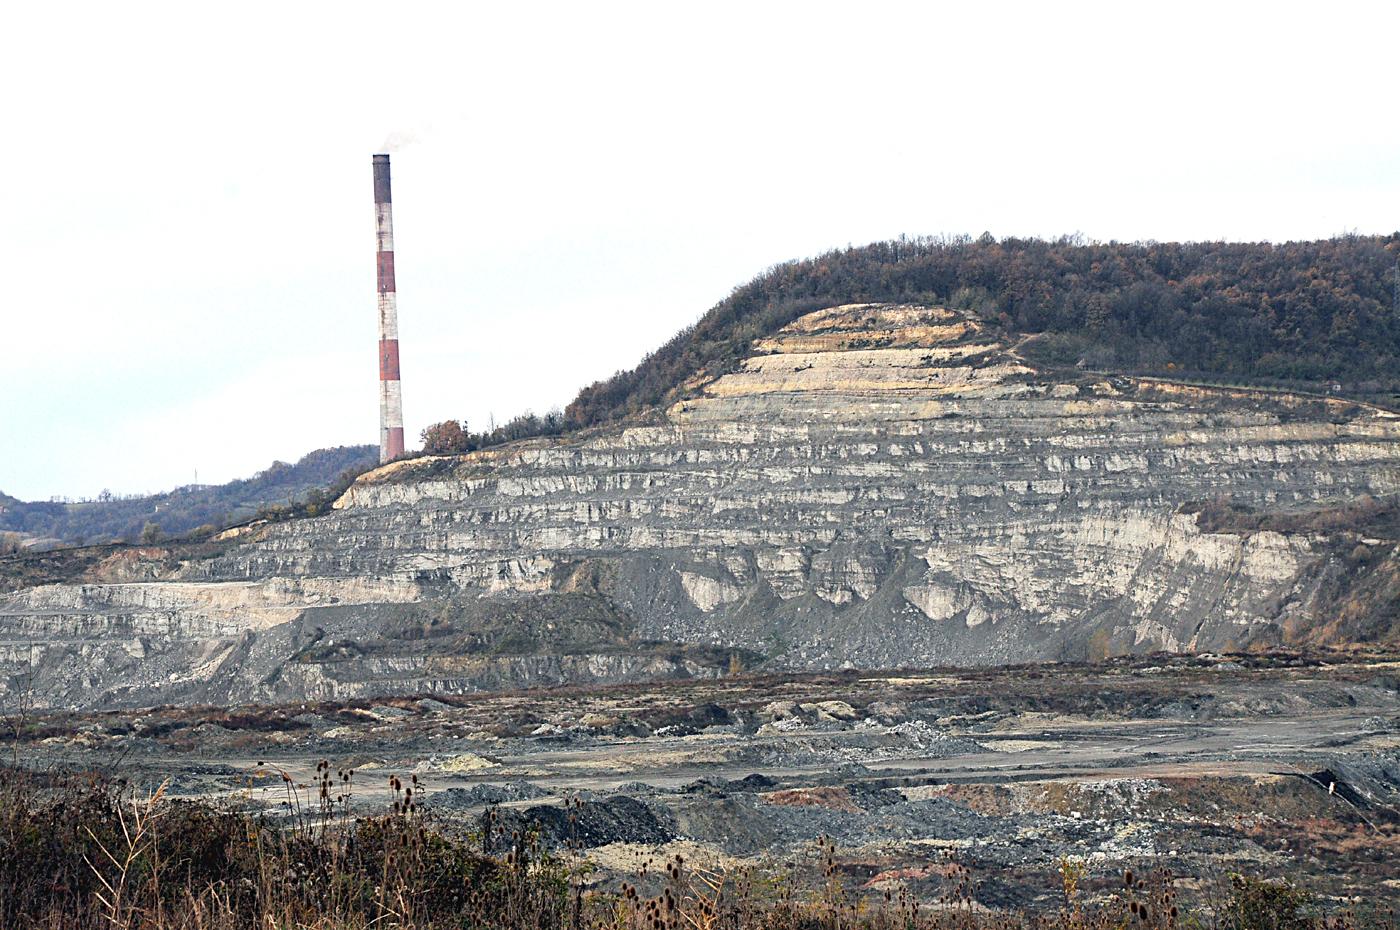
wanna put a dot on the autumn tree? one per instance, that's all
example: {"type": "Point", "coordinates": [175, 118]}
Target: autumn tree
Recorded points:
{"type": "Point", "coordinates": [446, 438]}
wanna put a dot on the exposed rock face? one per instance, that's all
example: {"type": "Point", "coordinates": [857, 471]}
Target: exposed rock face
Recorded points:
{"type": "Point", "coordinates": [874, 486]}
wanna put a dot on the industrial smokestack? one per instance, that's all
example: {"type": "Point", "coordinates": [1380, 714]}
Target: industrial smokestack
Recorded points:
{"type": "Point", "coordinates": [390, 392]}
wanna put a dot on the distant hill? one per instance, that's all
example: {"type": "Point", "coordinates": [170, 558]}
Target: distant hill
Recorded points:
{"type": "Point", "coordinates": [1301, 315]}
{"type": "Point", "coordinates": [185, 509]}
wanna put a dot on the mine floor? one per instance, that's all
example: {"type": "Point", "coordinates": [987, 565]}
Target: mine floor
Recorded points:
{"type": "Point", "coordinates": [1275, 765]}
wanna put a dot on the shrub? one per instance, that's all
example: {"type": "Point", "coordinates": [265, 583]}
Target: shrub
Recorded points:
{"type": "Point", "coordinates": [1257, 904]}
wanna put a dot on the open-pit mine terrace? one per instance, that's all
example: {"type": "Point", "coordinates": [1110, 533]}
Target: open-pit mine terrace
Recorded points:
{"type": "Point", "coordinates": [872, 486]}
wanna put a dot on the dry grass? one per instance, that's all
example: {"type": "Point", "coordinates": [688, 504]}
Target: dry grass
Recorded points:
{"type": "Point", "coordinates": [84, 852]}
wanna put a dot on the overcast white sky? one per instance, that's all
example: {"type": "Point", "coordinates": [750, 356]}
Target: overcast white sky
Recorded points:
{"type": "Point", "coordinates": [188, 239]}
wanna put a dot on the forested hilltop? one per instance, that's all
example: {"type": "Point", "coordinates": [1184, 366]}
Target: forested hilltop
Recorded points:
{"type": "Point", "coordinates": [1304, 315]}
{"type": "Point", "coordinates": [314, 479]}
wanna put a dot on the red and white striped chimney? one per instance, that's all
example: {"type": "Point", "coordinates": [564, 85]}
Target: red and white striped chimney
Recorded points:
{"type": "Point", "coordinates": [390, 392]}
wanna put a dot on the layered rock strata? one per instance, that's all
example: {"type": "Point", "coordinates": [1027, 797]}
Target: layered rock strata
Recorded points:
{"type": "Point", "coordinates": [875, 485]}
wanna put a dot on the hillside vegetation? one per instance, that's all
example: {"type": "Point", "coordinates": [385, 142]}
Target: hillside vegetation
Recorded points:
{"type": "Point", "coordinates": [1304, 315]}
{"type": "Point", "coordinates": [177, 512]}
